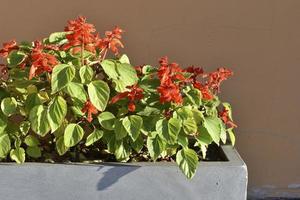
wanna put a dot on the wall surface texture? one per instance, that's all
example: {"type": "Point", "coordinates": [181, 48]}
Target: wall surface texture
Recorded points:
{"type": "Point", "coordinates": [258, 39]}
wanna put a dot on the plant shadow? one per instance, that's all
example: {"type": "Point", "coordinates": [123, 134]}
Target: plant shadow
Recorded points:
{"type": "Point", "coordinates": [113, 174]}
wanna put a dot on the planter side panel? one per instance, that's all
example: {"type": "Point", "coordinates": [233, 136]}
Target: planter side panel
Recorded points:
{"type": "Point", "coordinates": [33, 181]}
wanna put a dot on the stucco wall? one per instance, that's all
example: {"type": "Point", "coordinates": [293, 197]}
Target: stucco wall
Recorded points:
{"type": "Point", "coordinates": [258, 39]}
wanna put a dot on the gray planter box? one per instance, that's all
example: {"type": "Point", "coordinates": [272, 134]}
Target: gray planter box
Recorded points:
{"type": "Point", "coordinates": [112, 181]}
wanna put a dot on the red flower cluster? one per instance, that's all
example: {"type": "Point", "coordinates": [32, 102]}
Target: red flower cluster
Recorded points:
{"type": "Point", "coordinates": [8, 47]}
{"type": "Point", "coordinates": [226, 119]}
{"type": "Point", "coordinates": [193, 79]}
{"type": "Point", "coordinates": [206, 93]}
{"type": "Point", "coordinates": [41, 62]}
{"type": "Point", "coordinates": [217, 77]}
{"type": "Point", "coordinates": [81, 35]}
{"type": "Point", "coordinates": [170, 74]}
{"type": "Point", "coordinates": [135, 94]}
{"type": "Point", "coordinates": [90, 109]}
{"type": "Point", "coordinates": [111, 41]}
{"type": "Point", "coordinates": [213, 82]}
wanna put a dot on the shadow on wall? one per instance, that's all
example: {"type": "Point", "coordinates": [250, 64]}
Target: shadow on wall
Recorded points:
{"type": "Point", "coordinates": [113, 174]}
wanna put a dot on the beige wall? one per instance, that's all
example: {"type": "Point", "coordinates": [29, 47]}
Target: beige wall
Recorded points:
{"type": "Point", "coordinates": [258, 39]}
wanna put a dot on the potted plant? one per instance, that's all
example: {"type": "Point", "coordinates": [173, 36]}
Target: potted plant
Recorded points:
{"type": "Point", "coordinates": [73, 98]}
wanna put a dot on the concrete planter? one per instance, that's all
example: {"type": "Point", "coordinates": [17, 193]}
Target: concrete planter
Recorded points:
{"type": "Point", "coordinates": [113, 181]}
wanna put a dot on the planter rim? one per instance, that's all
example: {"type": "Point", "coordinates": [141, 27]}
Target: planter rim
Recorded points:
{"type": "Point", "coordinates": [234, 159]}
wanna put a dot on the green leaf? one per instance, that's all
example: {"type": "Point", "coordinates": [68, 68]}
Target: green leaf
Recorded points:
{"type": "Point", "coordinates": [198, 116]}
{"type": "Point", "coordinates": [76, 90]}
{"type": "Point", "coordinates": [155, 146]}
{"type": "Point", "coordinates": [203, 150]}
{"type": "Point", "coordinates": [57, 112]}
{"type": "Point", "coordinates": [3, 93]}
{"type": "Point", "coordinates": [62, 74]}
{"type": "Point", "coordinates": [122, 74]}
{"type": "Point", "coordinates": [9, 106]}
{"type": "Point", "coordinates": [185, 112]}
{"type": "Point", "coordinates": [17, 142]}
{"type": "Point", "coordinates": [203, 137]}
{"type": "Point", "coordinates": [169, 130]}
{"type": "Point", "coordinates": [60, 146]}
{"type": "Point", "coordinates": [58, 37]}
{"type": "Point", "coordinates": [99, 94]}
{"type": "Point", "coordinates": [231, 136]}
{"type": "Point", "coordinates": [15, 58]}
{"type": "Point", "coordinates": [174, 126]}
{"type": "Point", "coordinates": [223, 134]}
{"type": "Point", "coordinates": [148, 69]}
{"type": "Point", "coordinates": [31, 141]}
{"type": "Point", "coordinates": [124, 59]}
{"type": "Point", "coordinates": [110, 138]}
{"type": "Point", "coordinates": [4, 145]}
{"type": "Point", "coordinates": [18, 155]}
{"type": "Point", "coordinates": [107, 120]}
{"type": "Point", "coordinates": [138, 144]}
{"type": "Point", "coordinates": [34, 151]}
{"type": "Point", "coordinates": [122, 151]}
{"type": "Point", "coordinates": [212, 125]}
{"type": "Point", "coordinates": [193, 97]}
{"type": "Point", "coordinates": [187, 160]}
{"type": "Point", "coordinates": [73, 135]}
{"type": "Point", "coordinates": [127, 77]}
{"type": "Point", "coordinates": [120, 130]}
{"type": "Point", "coordinates": [86, 74]}
{"type": "Point", "coordinates": [203, 140]}
{"type": "Point", "coordinates": [39, 121]}
{"type": "Point", "coordinates": [183, 140]}
{"type": "Point", "coordinates": [94, 137]}
{"type": "Point", "coordinates": [77, 111]}
{"type": "Point", "coordinates": [3, 123]}
{"type": "Point", "coordinates": [148, 111]}
{"type": "Point", "coordinates": [227, 106]}
{"type": "Point", "coordinates": [32, 100]}
{"type": "Point", "coordinates": [190, 126]}
{"type": "Point", "coordinates": [110, 69]}
{"type": "Point", "coordinates": [134, 126]}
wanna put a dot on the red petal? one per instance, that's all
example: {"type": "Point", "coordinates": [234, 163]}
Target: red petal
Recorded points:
{"type": "Point", "coordinates": [131, 107]}
{"type": "Point", "coordinates": [118, 97]}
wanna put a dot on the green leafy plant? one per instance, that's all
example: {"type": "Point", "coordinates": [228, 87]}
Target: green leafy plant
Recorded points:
{"type": "Point", "coordinates": [63, 99]}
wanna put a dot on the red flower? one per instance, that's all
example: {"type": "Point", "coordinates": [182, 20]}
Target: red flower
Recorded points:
{"type": "Point", "coordinates": [135, 93]}
{"type": "Point", "coordinates": [217, 77]}
{"type": "Point", "coordinates": [51, 47]}
{"type": "Point", "coordinates": [195, 71]}
{"type": "Point", "coordinates": [41, 62]}
{"type": "Point", "coordinates": [131, 106]}
{"type": "Point", "coordinates": [81, 35]}
{"type": "Point", "coordinates": [206, 94]}
{"type": "Point", "coordinates": [169, 73]}
{"type": "Point", "coordinates": [8, 47]}
{"type": "Point", "coordinates": [169, 92]}
{"type": "Point", "coordinates": [111, 41]}
{"type": "Point", "coordinates": [213, 82]}
{"type": "Point", "coordinates": [226, 119]}
{"type": "Point", "coordinates": [90, 109]}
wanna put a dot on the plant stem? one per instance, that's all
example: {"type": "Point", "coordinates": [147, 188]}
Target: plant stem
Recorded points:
{"type": "Point", "coordinates": [82, 49]}
{"type": "Point", "coordinates": [104, 55]}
